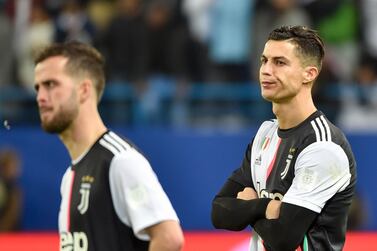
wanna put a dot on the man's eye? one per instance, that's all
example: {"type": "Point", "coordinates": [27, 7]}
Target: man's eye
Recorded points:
{"type": "Point", "coordinates": [50, 84]}
{"type": "Point", "coordinates": [279, 62]}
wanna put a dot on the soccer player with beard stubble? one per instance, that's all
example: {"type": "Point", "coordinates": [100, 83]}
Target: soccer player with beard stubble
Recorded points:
{"type": "Point", "coordinates": [111, 198]}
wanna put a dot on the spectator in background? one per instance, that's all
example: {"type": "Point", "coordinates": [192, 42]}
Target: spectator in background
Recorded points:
{"type": "Point", "coordinates": [10, 191]}
{"type": "Point", "coordinates": [337, 22]}
{"type": "Point", "coordinates": [54, 6]}
{"type": "Point", "coordinates": [271, 14]}
{"type": "Point", "coordinates": [101, 13]}
{"type": "Point", "coordinates": [145, 45]}
{"type": "Point", "coordinates": [123, 44]}
{"type": "Point", "coordinates": [6, 48]}
{"type": "Point", "coordinates": [229, 41]}
{"type": "Point", "coordinates": [167, 64]}
{"type": "Point", "coordinates": [73, 23]}
{"type": "Point", "coordinates": [368, 12]}
{"type": "Point", "coordinates": [198, 16]}
{"type": "Point", "coordinates": [39, 33]}
{"type": "Point", "coordinates": [166, 38]}
{"type": "Point", "coordinates": [359, 101]}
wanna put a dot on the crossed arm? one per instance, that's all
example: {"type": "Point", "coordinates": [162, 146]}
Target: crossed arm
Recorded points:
{"type": "Point", "coordinates": [282, 226]}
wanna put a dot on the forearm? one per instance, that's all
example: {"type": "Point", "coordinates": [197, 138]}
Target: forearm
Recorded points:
{"type": "Point", "coordinates": [287, 232]}
{"type": "Point", "coordinates": [275, 235]}
{"type": "Point", "coordinates": [231, 213]}
{"type": "Point", "coordinates": [235, 214]}
{"type": "Point", "coordinates": [166, 236]}
{"type": "Point", "coordinates": [160, 245]}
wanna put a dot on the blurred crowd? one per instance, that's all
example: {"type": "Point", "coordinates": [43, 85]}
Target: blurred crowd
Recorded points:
{"type": "Point", "coordinates": [11, 194]}
{"type": "Point", "coordinates": [151, 44]}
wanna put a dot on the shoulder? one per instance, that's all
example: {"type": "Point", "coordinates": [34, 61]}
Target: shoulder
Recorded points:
{"type": "Point", "coordinates": [122, 154]}
{"type": "Point", "coordinates": [317, 128]}
{"type": "Point", "coordinates": [126, 160]}
{"type": "Point", "coordinates": [326, 152]}
{"type": "Point", "coordinates": [114, 143]}
{"type": "Point", "coordinates": [325, 136]}
{"type": "Point", "coordinates": [265, 133]}
{"type": "Point", "coordinates": [266, 128]}
{"type": "Point", "coordinates": [324, 130]}
{"type": "Point", "coordinates": [268, 124]}
{"type": "Point", "coordinates": [324, 148]}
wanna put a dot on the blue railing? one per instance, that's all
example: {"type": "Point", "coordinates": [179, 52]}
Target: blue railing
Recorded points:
{"type": "Point", "coordinates": [164, 103]}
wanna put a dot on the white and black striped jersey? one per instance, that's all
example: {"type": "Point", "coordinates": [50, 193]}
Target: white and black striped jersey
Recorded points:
{"type": "Point", "coordinates": [109, 196]}
{"type": "Point", "coordinates": [311, 166]}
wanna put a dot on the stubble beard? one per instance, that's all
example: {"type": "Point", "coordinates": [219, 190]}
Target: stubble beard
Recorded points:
{"type": "Point", "coordinates": [60, 122]}
{"type": "Point", "coordinates": [62, 119]}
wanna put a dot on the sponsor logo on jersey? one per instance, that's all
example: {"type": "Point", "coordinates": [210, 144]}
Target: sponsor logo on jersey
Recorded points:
{"type": "Point", "coordinates": [73, 241]}
{"type": "Point", "coordinates": [85, 193]}
{"type": "Point", "coordinates": [266, 194]}
{"type": "Point", "coordinates": [263, 193]}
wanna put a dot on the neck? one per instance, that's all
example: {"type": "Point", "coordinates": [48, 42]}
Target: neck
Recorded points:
{"type": "Point", "coordinates": [294, 112]}
{"type": "Point", "coordinates": [82, 134]}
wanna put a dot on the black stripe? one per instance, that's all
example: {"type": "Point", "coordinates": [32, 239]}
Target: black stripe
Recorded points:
{"type": "Point", "coordinates": [319, 130]}
{"type": "Point", "coordinates": [324, 128]}
{"type": "Point", "coordinates": [119, 142]}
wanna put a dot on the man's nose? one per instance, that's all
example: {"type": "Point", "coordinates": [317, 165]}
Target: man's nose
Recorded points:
{"type": "Point", "coordinates": [266, 68]}
{"type": "Point", "coordinates": [41, 95]}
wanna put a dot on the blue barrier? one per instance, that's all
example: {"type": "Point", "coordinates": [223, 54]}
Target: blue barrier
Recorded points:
{"type": "Point", "coordinates": [163, 103]}
{"type": "Point", "coordinates": [191, 165]}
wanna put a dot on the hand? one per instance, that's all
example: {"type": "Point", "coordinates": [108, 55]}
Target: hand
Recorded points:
{"type": "Point", "coordinates": [273, 209]}
{"type": "Point", "coordinates": [247, 194]}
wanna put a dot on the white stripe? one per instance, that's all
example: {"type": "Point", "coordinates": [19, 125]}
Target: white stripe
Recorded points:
{"type": "Point", "coordinates": [327, 128]}
{"type": "Point", "coordinates": [66, 195]}
{"type": "Point", "coordinates": [284, 173]}
{"type": "Point", "coordinates": [323, 134]}
{"type": "Point", "coordinates": [114, 143]}
{"type": "Point", "coordinates": [119, 140]}
{"type": "Point", "coordinates": [108, 146]}
{"type": "Point", "coordinates": [315, 130]}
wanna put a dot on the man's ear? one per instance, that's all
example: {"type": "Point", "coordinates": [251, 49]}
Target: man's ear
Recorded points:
{"type": "Point", "coordinates": [310, 74]}
{"type": "Point", "coordinates": [85, 90]}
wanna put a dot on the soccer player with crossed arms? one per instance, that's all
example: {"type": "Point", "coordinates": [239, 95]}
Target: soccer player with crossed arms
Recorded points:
{"type": "Point", "coordinates": [298, 175]}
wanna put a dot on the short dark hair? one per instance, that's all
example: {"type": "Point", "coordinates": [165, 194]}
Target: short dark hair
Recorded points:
{"type": "Point", "coordinates": [82, 59]}
{"type": "Point", "coordinates": [308, 42]}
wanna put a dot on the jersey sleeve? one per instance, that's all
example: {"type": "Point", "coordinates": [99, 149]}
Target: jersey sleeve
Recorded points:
{"type": "Point", "coordinates": [242, 175]}
{"type": "Point", "coordinates": [321, 170]}
{"type": "Point", "coordinates": [231, 213]}
{"type": "Point", "coordinates": [138, 197]}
